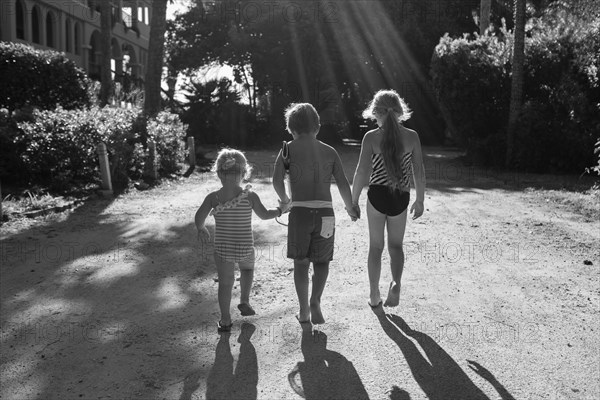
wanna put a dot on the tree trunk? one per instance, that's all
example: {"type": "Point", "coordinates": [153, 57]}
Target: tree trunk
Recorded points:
{"type": "Point", "coordinates": [516, 91]}
{"type": "Point", "coordinates": [485, 7]}
{"type": "Point", "coordinates": [106, 83]}
{"type": "Point", "coordinates": [152, 85]}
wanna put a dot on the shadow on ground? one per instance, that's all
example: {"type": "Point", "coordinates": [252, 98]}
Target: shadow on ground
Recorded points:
{"type": "Point", "coordinates": [324, 374]}
{"type": "Point", "coordinates": [113, 304]}
{"type": "Point", "coordinates": [436, 372]}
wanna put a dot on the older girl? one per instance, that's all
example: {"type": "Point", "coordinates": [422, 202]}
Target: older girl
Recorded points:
{"type": "Point", "coordinates": [390, 155]}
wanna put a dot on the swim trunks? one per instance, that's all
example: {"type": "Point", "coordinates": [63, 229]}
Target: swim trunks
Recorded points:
{"type": "Point", "coordinates": [311, 233]}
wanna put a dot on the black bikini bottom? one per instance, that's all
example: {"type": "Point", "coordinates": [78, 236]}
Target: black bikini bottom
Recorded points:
{"type": "Point", "coordinates": [388, 201]}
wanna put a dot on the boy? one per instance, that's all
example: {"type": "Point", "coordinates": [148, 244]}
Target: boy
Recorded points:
{"type": "Point", "coordinates": [311, 165]}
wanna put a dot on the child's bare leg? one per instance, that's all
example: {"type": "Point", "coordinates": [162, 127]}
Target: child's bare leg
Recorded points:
{"type": "Point", "coordinates": [226, 280]}
{"type": "Point", "coordinates": [246, 279]}
{"type": "Point", "coordinates": [301, 283]}
{"type": "Point", "coordinates": [376, 240]}
{"type": "Point", "coordinates": [321, 271]}
{"type": "Point", "coordinates": [396, 227]}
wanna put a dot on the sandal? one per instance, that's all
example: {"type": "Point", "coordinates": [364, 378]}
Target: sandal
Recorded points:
{"type": "Point", "coordinates": [224, 328]}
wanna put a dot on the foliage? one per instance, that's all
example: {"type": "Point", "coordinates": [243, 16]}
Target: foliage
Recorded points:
{"type": "Point", "coordinates": [43, 79]}
{"type": "Point", "coordinates": [59, 146]}
{"type": "Point", "coordinates": [215, 116]}
{"type": "Point", "coordinates": [558, 124]}
{"type": "Point", "coordinates": [596, 168]}
{"type": "Point", "coordinates": [168, 133]}
{"type": "Point", "coordinates": [330, 54]}
{"type": "Point", "coordinates": [473, 89]}
{"type": "Point", "coordinates": [562, 93]}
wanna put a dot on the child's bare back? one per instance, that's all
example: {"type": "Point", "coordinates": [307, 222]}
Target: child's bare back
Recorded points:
{"type": "Point", "coordinates": [312, 166]}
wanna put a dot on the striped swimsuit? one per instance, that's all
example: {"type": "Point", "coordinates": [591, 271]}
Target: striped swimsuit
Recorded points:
{"type": "Point", "coordinates": [379, 174]}
{"type": "Point", "coordinates": [386, 197]}
{"type": "Point", "coordinates": [234, 240]}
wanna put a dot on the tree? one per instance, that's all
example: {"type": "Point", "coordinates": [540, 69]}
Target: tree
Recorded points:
{"type": "Point", "coordinates": [106, 88]}
{"type": "Point", "coordinates": [516, 90]}
{"type": "Point", "coordinates": [154, 69]}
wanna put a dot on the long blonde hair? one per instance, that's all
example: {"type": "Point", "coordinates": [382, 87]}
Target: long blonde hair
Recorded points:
{"type": "Point", "coordinates": [396, 111]}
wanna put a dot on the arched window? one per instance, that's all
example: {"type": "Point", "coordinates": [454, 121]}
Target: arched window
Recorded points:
{"type": "Point", "coordinates": [50, 39]}
{"type": "Point", "coordinates": [77, 41]}
{"type": "Point", "coordinates": [35, 25]}
{"type": "Point", "coordinates": [68, 44]}
{"type": "Point", "coordinates": [20, 20]}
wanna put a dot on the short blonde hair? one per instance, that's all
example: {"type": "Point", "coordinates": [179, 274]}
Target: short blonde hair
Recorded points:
{"type": "Point", "coordinates": [302, 118]}
{"type": "Point", "coordinates": [232, 162]}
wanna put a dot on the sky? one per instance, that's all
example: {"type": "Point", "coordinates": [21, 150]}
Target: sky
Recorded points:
{"type": "Point", "coordinates": [177, 6]}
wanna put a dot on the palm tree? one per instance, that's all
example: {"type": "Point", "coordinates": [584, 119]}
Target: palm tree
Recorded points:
{"type": "Point", "coordinates": [152, 85]}
{"type": "Point", "coordinates": [516, 91]}
{"type": "Point", "coordinates": [105, 46]}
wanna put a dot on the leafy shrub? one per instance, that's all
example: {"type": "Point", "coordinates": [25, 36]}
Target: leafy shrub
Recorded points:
{"type": "Point", "coordinates": [59, 147]}
{"type": "Point", "coordinates": [560, 117]}
{"type": "Point", "coordinates": [473, 88]}
{"type": "Point", "coordinates": [168, 132]}
{"type": "Point", "coordinates": [595, 168]}
{"type": "Point", "coordinates": [43, 79]}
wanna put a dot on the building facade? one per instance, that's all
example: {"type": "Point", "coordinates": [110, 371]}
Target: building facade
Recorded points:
{"type": "Point", "coordinates": [73, 28]}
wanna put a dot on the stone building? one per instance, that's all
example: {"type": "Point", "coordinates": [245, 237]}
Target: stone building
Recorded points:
{"type": "Point", "coordinates": [73, 27]}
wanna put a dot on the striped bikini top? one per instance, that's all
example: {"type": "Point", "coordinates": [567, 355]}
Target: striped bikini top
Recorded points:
{"type": "Point", "coordinates": [379, 174]}
{"type": "Point", "coordinates": [233, 221]}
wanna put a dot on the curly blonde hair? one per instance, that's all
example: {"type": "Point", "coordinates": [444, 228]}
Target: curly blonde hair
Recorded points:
{"type": "Point", "coordinates": [232, 162]}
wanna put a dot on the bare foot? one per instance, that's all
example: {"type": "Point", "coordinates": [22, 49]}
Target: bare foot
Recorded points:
{"type": "Point", "coordinates": [375, 299]}
{"type": "Point", "coordinates": [315, 314]}
{"type": "Point", "coordinates": [374, 304]}
{"type": "Point", "coordinates": [303, 316]}
{"type": "Point", "coordinates": [393, 297]}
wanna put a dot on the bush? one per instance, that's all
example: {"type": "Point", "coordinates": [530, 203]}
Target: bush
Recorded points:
{"type": "Point", "coordinates": [43, 79]}
{"type": "Point", "coordinates": [473, 88]}
{"type": "Point", "coordinates": [59, 147]}
{"type": "Point", "coordinates": [560, 118]}
{"type": "Point", "coordinates": [596, 168]}
{"type": "Point", "coordinates": [168, 132]}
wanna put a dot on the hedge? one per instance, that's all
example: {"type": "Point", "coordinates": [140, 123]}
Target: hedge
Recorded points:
{"type": "Point", "coordinates": [42, 79]}
{"type": "Point", "coordinates": [57, 149]}
{"type": "Point", "coordinates": [560, 119]}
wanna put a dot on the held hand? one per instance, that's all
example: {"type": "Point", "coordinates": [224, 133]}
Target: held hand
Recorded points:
{"type": "Point", "coordinates": [354, 213]}
{"type": "Point", "coordinates": [285, 206]}
{"type": "Point", "coordinates": [203, 235]}
{"type": "Point", "coordinates": [417, 209]}
{"type": "Point", "coordinates": [357, 208]}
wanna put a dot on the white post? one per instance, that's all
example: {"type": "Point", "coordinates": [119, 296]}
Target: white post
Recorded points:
{"type": "Point", "coordinates": [192, 150]}
{"type": "Point", "coordinates": [106, 189]}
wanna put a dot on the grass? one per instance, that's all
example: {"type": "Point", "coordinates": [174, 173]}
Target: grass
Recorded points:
{"type": "Point", "coordinates": [31, 201]}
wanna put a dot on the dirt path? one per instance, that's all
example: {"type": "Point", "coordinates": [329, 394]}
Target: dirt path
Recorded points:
{"type": "Point", "coordinates": [114, 300]}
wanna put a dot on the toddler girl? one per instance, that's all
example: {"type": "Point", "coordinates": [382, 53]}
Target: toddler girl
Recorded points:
{"type": "Point", "coordinates": [232, 209]}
